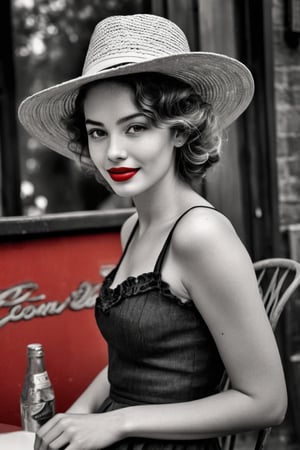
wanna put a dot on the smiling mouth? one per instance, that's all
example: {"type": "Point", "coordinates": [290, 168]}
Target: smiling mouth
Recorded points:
{"type": "Point", "coordinates": [120, 174]}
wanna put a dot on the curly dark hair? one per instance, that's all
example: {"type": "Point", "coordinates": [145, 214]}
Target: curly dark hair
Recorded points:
{"type": "Point", "coordinates": [166, 101]}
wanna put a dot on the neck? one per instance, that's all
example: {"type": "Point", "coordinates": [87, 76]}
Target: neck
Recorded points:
{"type": "Point", "coordinates": [163, 203]}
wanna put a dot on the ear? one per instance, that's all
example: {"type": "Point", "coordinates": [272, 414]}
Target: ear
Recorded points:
{"type": "Point", "coordinates": [180, 138]}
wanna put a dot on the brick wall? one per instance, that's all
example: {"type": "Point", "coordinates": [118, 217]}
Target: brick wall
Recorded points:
{"type": "Point", "coordinates": [287, 101]}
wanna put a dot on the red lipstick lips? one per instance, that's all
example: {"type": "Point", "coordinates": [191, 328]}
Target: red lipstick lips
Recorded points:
{"type": "Point", "coordinates": [120, 174]}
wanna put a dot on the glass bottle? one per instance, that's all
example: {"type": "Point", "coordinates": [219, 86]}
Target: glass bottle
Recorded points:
{"type": "Point", "coordinates": [37, 400]}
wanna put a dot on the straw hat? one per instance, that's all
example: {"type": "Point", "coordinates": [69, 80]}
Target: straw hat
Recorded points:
{"type": "Point", "coordinates": [130, 44]}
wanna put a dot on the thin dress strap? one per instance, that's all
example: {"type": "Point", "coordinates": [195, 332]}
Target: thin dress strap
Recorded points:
{"type": "Point", "coordinates": [163, 252]}
{"type": "Point", "coordinates": [127, 245]}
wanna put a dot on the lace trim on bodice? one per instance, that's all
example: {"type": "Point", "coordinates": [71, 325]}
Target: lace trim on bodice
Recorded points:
{"type": "Point", "coordinates": [133, 286]}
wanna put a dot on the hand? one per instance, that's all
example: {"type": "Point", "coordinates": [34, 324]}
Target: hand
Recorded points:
{"type": "Point", "coordinates": [79, 431]}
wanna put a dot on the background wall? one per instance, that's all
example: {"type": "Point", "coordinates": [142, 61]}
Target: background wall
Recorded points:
{"type": "Point", "coordinates": [287, 100]}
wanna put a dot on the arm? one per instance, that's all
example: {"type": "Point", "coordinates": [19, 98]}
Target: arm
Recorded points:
{"type": "Point", "coordinates": [94, 395]}
{"type": "Point", "coordinates": [218, 274]}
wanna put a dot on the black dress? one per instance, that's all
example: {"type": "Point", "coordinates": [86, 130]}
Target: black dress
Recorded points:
{"type": "Point", "coordinates": [160, 349]}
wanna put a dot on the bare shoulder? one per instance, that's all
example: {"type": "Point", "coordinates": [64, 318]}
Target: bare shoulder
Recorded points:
{"type": "Point", "coordinates": [203, 227]}
{"type": "Point", "coordinates": [206, 238]}
{"type": "Point", "coordinates": [127, 228]}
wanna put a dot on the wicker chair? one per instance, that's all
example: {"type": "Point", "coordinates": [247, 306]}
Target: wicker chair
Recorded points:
{"type": "Point", "coordinates": [278, 278]}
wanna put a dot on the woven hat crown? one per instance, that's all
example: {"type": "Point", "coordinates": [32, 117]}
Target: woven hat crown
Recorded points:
{"type": "Point", "coordinates": [119, 40]}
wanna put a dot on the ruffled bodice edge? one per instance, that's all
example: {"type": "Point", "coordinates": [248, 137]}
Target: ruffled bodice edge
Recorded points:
{"type": "Point", "coordinates": [133, 286]}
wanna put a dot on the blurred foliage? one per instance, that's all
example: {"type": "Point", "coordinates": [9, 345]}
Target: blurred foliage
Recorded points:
{"type": "Point", "coordinates": [50, 42]}
{"type": "Point", "coordinates": [51, 36]}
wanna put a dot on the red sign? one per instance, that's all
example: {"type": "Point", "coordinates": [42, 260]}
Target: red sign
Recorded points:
{"type": "Point", "coordinates": [48, 288]}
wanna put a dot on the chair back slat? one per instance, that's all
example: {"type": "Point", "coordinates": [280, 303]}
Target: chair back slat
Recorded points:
{"type": "Point", "coordinates": [273, 295]}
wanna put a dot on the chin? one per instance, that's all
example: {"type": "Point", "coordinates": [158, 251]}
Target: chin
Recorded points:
{"type": "Point", "coordinates": [125, 191]}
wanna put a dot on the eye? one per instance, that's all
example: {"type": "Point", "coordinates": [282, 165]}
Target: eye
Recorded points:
{"type": "Point", "coordinates": [136, 128]}
{"type": "Point", "coordinates": [96, 133]}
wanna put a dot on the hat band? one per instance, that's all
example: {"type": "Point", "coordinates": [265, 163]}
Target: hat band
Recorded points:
{"type": "Point", "coordinates": [114, 61]}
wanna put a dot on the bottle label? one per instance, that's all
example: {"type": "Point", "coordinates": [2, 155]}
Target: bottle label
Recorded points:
{"type": "Point", "coordinates": [34, 416]}
{"type": "Point", "coordinates": [41, 380]}
{"type": "Point", "coordinates": [45, 412]}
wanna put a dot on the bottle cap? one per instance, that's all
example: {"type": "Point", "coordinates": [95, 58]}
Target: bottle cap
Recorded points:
{"type": "Point", "coordinates": [35, 350]}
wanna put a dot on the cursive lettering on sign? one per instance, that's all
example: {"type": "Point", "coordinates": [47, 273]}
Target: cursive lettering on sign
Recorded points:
{"type": "Point", "coordinates": [23, 303]}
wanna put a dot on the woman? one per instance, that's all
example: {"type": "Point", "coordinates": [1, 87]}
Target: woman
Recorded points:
{"type": "Point", "coordinates": [147, 116]}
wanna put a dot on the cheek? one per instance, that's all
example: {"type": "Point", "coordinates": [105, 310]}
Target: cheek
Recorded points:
{"type": "Point", "coordinates": [164, 154]}
{"type": "Point", "coordinates": [95, 154]}
{"type": "Point", "coordinates": [157, 150]}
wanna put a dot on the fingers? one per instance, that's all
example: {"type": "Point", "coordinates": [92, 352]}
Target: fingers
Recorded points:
{"type": "Point", "coordinates": [51, 436]}
{"type": "Point", "coordinates": [50, 424]}
{"type": "Point", "coordinates": [48, 444]}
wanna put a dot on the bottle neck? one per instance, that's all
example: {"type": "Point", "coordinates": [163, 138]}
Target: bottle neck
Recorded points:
{"type": "Point", "coordinates": [36, 364]}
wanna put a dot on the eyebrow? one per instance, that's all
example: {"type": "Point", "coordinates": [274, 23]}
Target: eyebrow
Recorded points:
{"type": "Point", "coordinates": [120, 121]}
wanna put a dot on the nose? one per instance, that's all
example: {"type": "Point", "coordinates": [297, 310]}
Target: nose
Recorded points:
{"type": "Point", "coordinates": [116, 150]}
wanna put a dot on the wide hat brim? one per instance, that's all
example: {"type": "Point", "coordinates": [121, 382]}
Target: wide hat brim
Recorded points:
{"type": "Point", "coordinates": [223, 82]}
